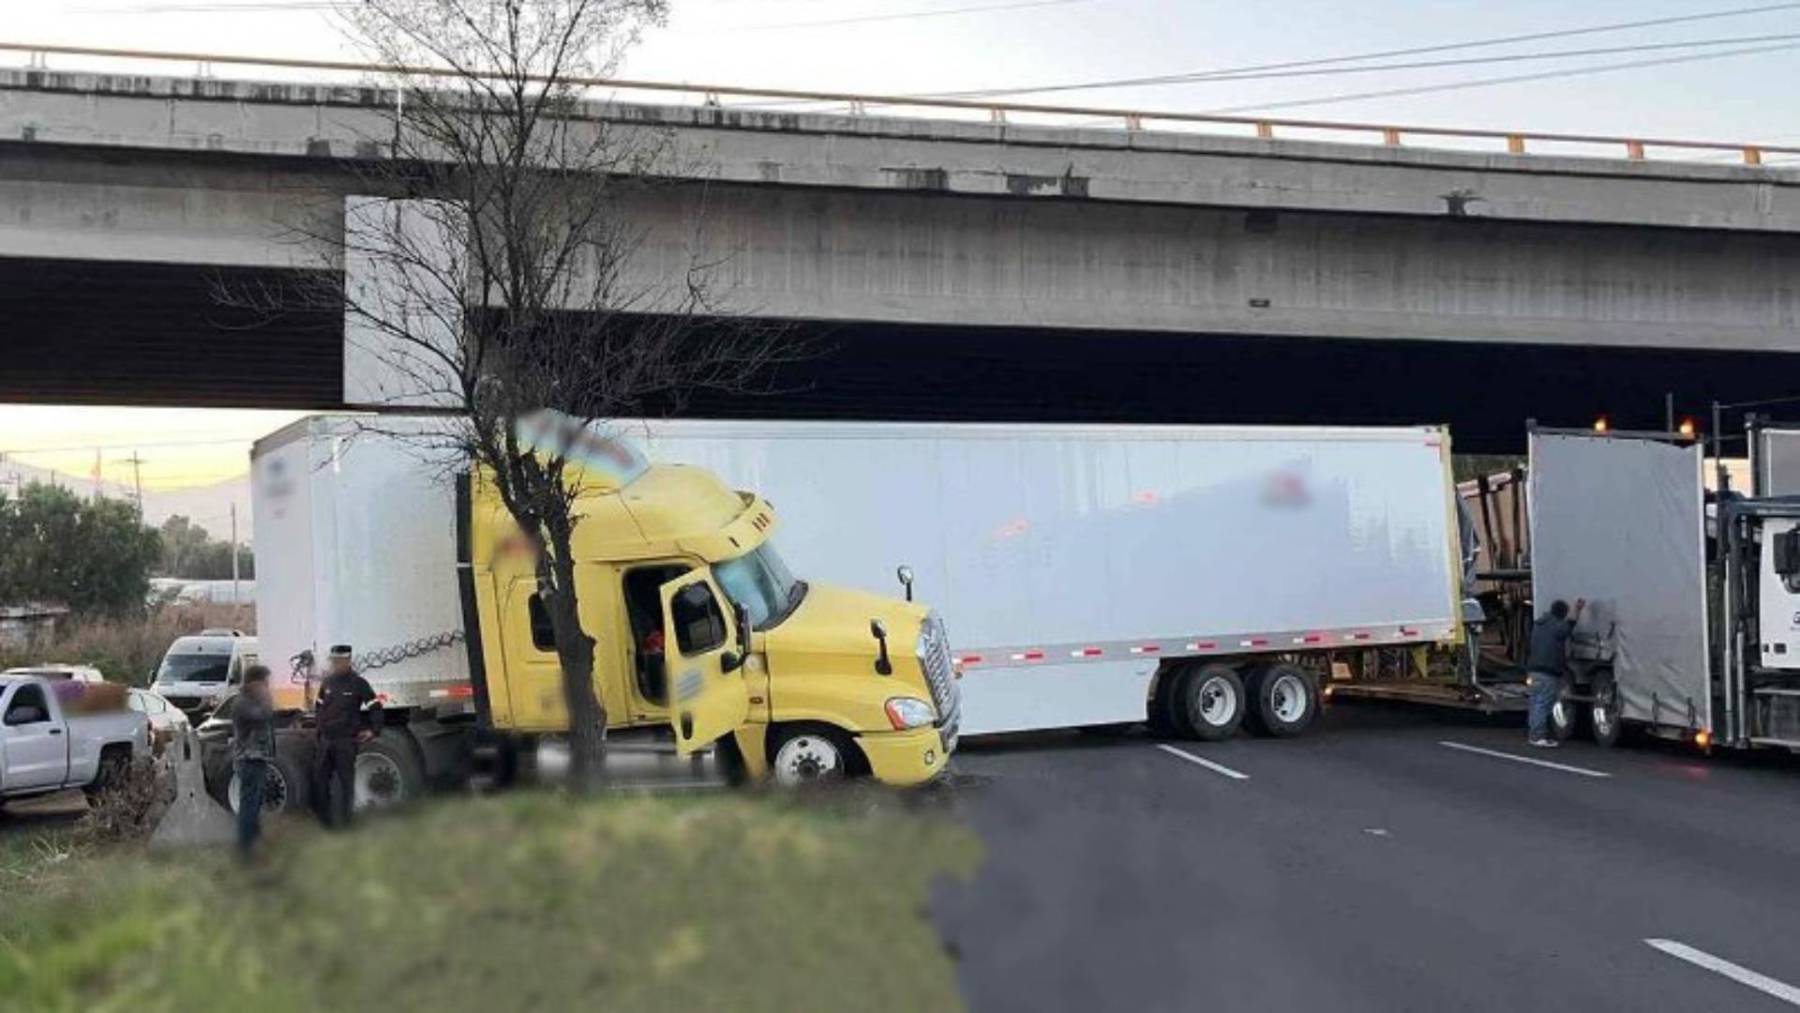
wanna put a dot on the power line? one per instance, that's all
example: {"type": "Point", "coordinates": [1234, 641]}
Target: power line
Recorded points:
{"type": "Point", "coordinates": [1181, 77]}
{"type": "Point", "coordinates": [1558, 54]}
{"type": "Point", "coordinates": [901, 16]}
{"type": "Point", "coordinates": [1489, 81]}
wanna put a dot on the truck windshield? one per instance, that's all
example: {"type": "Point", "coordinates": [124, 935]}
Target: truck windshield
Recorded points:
{"type": "Point", "coordinates": [194, 668]}
{"type": "Point", "coordinates": [760, 581]}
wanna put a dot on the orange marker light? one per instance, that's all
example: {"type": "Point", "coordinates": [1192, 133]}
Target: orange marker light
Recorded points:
{"type": "Point", "coordinates": [1703, 739]}
{"type": "Point", "coordinates": [1688, 429]}
{"type": "Point", "coordinates": [1601, 424]}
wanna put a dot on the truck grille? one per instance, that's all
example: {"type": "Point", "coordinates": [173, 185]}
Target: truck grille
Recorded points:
{"type": "Point", "coordinates": [934, 659]}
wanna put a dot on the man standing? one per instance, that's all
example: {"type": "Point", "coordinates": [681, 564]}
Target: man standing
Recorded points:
{"type": "Point", "coordinates": [1544, 666]}
{"type": "Point", "coordinates": [346, 714]}
{"type": "Point", "coordinates": [252, 750]}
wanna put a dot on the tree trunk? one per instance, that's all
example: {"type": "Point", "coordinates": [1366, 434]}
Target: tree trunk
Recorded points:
{"type": "Point", "coordinates": [575, 650]}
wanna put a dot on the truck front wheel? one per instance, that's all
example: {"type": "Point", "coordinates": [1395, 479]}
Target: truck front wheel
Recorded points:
{"type": "Point", "coordinates": [810, 754]}
{"type": "Point", "coordinates": [1211, 702]}
{"type": "Point", "coordinates": [1283, 700]}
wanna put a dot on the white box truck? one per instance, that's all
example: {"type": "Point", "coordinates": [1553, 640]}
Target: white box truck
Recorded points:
{"type": "Point", "coordinates": [1192, 576]}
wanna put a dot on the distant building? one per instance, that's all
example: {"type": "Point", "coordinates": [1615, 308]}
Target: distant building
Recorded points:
{"type": "Point", "coordinates": [22, 626]}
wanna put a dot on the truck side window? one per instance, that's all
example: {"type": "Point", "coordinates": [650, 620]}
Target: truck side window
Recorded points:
{"type": "Point", "coordinates": [699, 625]}
{"type": "Point", "coordinates": [543, 635]}
{"type": "Point", "coordinates": [27, 707]}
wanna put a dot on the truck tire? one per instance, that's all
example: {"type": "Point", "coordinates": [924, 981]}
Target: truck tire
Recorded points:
{"type": "Point", "coordinates": [1208, 702]}
{"type": "Point", "coordinates": [1159, 709]}
{"type": "Point", "coordinates": [1603, 715]}
{"type": "Point", "coordinates": [289, 788]}
{"type": "Point", "coordinates": [389, 772]}
{"type": "Point", "coordinates": [1284, 700]}
{"type": "Point", "coordinates": [806, 754]}
{"type": "Point", "coordinates": [1565, 716]}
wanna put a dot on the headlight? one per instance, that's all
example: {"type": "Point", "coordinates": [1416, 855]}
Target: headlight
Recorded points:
{"type": "Point", "coordinates": [906, 712]}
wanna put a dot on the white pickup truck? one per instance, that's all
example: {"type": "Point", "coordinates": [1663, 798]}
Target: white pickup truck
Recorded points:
{"type": "Point", "coordinates": [44, 749]}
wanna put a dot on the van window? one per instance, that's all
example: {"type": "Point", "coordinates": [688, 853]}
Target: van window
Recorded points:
{"type": "Point", "coordinates": [29, 697]}
{"type": "Point", "coordinates": [194, 668]}
{"type": "Point", "coordinates": [699, 625]}
{"type": "Point", "coordinates": [543, 635]}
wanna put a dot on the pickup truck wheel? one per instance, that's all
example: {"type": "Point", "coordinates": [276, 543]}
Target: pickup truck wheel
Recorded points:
{"type": "Point", "coordinates": [388, 772]}
{"type": "Point", "coordinates": [1210, 702]}
{"type": "Point", "coordinates": [809, 754]}
{"type": "Point", "coordinates": [113, 761]}
{"type": "Point", "coordinates": [1283, 700]}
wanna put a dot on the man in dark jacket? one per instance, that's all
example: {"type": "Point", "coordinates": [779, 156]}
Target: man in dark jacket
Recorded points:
{"type": "Point", "coordinates": [252, 750]}
{"type": "Point", "coordinates": [346, 714]}
{"type": "Point", "coordinates": [1544, 666]}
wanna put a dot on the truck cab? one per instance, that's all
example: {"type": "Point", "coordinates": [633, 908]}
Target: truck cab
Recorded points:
{"type": "Point", "coordinates": [701, 628]}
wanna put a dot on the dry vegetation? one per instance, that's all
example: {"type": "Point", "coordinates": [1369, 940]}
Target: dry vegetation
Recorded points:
{"type": "Point", "coordinates": [128, 649]}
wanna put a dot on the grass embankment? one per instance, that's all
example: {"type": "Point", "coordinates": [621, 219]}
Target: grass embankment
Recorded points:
{"type": "Point", "coordinates": [526, 901]}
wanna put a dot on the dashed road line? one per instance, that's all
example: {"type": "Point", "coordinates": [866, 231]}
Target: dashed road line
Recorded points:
{"type": "Point", "coordinates": [1217, 768]}
{"type": "Point", "coordinates": [1534, 761]}
{"type": "Point", "coordinates": [1719, 965]}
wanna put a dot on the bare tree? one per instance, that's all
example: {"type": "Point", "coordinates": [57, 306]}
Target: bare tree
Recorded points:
{"type": "Point", "coordinates": [491, 275]}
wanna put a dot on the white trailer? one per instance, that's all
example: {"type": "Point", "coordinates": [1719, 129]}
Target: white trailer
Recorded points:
{"type": "Point", "coordinates": [1088, 575]}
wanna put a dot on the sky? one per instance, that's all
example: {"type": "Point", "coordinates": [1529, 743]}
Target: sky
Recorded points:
{"type": "Point", "coordinates": [936, 46]}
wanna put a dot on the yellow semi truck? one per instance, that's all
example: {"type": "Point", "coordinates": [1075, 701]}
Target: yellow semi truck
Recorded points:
{"type": "Point", "coordinates": [703, 638]}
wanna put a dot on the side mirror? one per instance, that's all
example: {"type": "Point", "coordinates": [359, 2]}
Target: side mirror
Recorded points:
{"type": "Point", "coordinates": [1787, 553]}
{"type": "Point", "coordinates": [730, 661]}
{"type": "Point", "coordinates": [905, 573]}
{"type": "Point", "coordinates": [883, 664]}
{"type": "Point", "coordinates": [741, 616]}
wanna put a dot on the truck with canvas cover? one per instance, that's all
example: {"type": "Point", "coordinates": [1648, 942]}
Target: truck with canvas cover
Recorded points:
{"type": "Point", "coordinates": [374, 535]}
{"type": "Point", "coordinates": [1693, 624]}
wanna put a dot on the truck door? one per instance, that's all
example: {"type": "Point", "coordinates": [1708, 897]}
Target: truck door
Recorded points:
{"type": "Point", "coordinates": [707, 695]}
{"type": "Point", "coordinates": [37, 749]}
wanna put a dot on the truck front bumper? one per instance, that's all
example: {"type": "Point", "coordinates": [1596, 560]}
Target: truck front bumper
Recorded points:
{"type": "Point", "coordinates": [905, 758]}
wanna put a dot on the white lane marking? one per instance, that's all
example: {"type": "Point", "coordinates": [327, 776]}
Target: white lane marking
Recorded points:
{"type": "Point", "coordinates": [1217, 768]}
{"type": "Point", "coordinates": [1742, 975]}
{"type": "Point", "coordinates": [1583, 771]}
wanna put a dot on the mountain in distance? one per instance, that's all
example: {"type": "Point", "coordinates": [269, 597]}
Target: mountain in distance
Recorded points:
{"type": "Point", "coordinates": [206, 505]}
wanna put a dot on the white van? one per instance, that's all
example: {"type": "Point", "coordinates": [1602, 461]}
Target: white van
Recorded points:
{"type": "Point", "coordinates": [201, 670]}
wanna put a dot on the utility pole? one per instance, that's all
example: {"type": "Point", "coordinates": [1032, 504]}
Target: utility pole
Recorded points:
{"type": "Point", "coordinates": [137, 480]}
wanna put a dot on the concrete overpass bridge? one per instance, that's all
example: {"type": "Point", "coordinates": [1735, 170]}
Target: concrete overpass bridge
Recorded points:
{"type": "Point", "coordinates": [978, 270]}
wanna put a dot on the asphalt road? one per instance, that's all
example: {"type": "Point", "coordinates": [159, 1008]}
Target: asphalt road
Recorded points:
{"type": "Point", "coordinates": [1369, 866]}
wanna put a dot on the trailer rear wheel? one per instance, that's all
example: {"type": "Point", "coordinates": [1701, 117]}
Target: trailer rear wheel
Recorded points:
{"type": "Point", "coordinates": [388, 771]}
{"type": "Point", "coordinates": [1283, 700]}
{"type": "Point", "coordinates": [1209, 702]}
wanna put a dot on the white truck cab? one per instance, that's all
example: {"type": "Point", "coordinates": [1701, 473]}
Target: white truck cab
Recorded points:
{"type": "Point", "coordinates": [199, 671]}
{"type": "Point", "coordinates": [44, 747]}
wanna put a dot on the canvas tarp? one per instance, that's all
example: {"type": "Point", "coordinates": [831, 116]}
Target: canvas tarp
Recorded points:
{"type": "Point", "coordinates": [1617, 520]}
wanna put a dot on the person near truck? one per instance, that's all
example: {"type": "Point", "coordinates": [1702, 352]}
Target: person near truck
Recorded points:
{"type": "Point", "coordinates": [346, 714]}
{"type": "Point", "coordinates": [252, 750]}
{"type": "Point", "coordinates": [1544, 666]}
